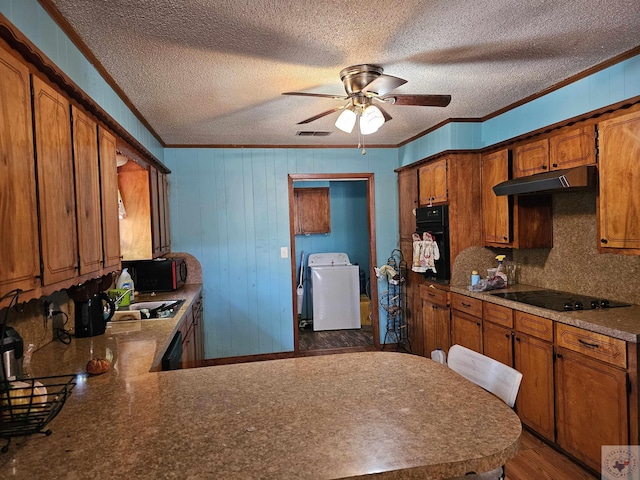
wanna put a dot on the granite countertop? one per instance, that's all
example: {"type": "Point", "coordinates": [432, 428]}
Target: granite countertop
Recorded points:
{"type": "Point", "coordinates": [320, 417]}
{"type": "Point", "coordinates": [622, 323]}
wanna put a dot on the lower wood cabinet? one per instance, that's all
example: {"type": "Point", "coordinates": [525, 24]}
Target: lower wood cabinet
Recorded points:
{"type": "Point", "coordinates": [193, 336]}
{"type": "Point", "coordinates": [592, 403]}
{"type": "Point", "coordinates": [466, 322]}
{"type": "Point", "coordinates": [436, 319]}
{"type": "Point", "coordinates": [535, 402]}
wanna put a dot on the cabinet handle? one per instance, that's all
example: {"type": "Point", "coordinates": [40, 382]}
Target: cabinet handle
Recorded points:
{"type": "Point", "coordinates": [604, 240]}
{"type": "Point", "coordinates": [558, 355]}
{"type": "Point", "coordinates": [554, 165]}
{"type": "Point", "coordinates": [505, 238]}
{"type": "Point", "coordinates": [478, 323]}
{"type": "Point", "coordinates": [431, 294]}
{"type": "Point", "coordinates": [587, 344]}
{"type": "Point", "coordinates": [544, 167]}
{"type": "Point", "coordinates": [465, 305]}
{"type": "Point", "coordinates": [506, 335]}
{"type": "Point", "coordinates": [517, 339]}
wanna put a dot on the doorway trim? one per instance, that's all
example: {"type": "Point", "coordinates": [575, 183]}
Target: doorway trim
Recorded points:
{"type": "Point", "coordinates": [371, 222]}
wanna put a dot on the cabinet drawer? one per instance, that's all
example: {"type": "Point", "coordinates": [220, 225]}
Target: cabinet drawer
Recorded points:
{"type": "Point", "coordinates": [591, 344]}
{"type": "Point", "coordinates": [434, 295]}
{"type": "Point", "coordinates": [472, 306]}
{"type": "Point", "coordinates": [497, 314]}
{"type": "Point", "coordinates": [533, 325]}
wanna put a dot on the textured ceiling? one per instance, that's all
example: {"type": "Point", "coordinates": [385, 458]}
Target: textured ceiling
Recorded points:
{"type": "Point", "coordinates": [211, 72]}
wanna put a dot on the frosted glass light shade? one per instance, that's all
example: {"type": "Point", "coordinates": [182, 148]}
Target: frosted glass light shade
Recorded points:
{"type": "Point", "coordinates": [346, 120]}
{"type": "Point", "coordinates": [371, 120]}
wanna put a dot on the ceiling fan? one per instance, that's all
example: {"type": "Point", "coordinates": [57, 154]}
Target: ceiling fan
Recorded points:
{"type": "Point", "coordinates": [365, 85]}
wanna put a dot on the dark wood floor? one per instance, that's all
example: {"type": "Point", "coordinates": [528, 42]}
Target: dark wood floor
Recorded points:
{"type": "Point", "coordinates": [309, 340]}
{"type": "Point", "coordinates": [538, 461]}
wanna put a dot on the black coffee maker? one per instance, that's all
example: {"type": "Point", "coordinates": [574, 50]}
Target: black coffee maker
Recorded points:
{"type": "Point", "coordinates": [93, 307]}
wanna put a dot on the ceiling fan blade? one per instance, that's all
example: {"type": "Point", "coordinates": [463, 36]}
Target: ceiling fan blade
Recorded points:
{"type": "Point", "coordinates": [323, 114]}
{"type": "Point", "coordinates": [323, 95]}
{"type": "Point", "coordinates": [419, 100]}
{"type": "Point", "coordinates": [383, 84]}
{"type": "Point", "coordinates": [386, 116]}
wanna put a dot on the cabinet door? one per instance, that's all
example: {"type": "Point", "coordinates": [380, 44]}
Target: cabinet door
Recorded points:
{"type": "Point", "coordinates": [495, 210]}
{"type": "Point", "coordinates": [56, 192]}
{"type": "Point", "coordinates": [466, 330]}
{"type": "Point", "coordinates": [155, 212]}
{"type": "Point", "coordinates": [572, 148]}
{"type": "Point", "coordinates": [437, 328]}
{"type": "Point", "coordinates": [591, 406]}
{"type": "Point", "coordinates": [165, 227]}
{"type": "Point", "coordinates": [497, 342]}
{"type": "Point", "coordinates": [619, 202]}
{"type": "Point", "coordinates": [531, 158]}
{"type": "Point", "coordinates": [407, 201]}
{"type": "Point", "coordinates": [85, 153]}
{"type": "Point", "coordinates": [535, 402]}
{"type": "Point", "coordinates": [312, 212]}
{"type": "Point", "coordinates": [433, 182]}
{"type": "Point", "coordinates": [109, 184]}
{"type": "Point", "coordinates": [19, 255]}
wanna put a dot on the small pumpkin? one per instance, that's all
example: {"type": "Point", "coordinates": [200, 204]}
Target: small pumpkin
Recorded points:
{"type": "Point", "coordinates": [98, 366]}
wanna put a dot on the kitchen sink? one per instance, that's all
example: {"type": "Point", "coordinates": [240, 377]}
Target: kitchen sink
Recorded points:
{"type": "Point", "coordinates": [149, 310]}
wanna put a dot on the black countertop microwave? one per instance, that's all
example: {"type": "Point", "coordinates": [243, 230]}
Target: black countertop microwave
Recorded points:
{"type": "Point", "coordinates": [160, 275]}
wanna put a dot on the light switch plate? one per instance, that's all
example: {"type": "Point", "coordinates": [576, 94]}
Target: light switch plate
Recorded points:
{"type": "Point", "coordinates": [284, 252]}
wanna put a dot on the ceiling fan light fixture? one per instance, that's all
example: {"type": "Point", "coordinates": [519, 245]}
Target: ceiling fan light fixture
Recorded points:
{"type": "Point", "coordinates": [371, 120]}
{"type": "Point", "coordinates": [346, 120]}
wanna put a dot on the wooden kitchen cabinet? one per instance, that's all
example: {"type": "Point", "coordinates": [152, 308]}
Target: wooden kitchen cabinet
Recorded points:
{"type": "Point", "coordinates": [109, 192]}
{"type": "Point", "coordinates": [512, 221]}
{"type": "Point", "coordinates": [191, 327]}
{"type": "Point", "coordinates": [407, 202]}
{"type": "Point", "coordinates": [570, 147]}
{"type": "Point", "coordinates": [432, 182]}
{"type": "Point", "coordinates": [591, 406]}
{"type": "Point", "coordinates": [19, 245]}
{"type": "Point", "coordinates": [159, 198]}
{"type": "Point", "coordinates": [497, 335]}
{"type": "Point", "coordinates": [312, 210]}
{"type": "Point", "coordinates": [436, 319]}
{"type": "Point", "coordinates": [533, 357]}
{"type": "Point", "coordinates": [56, 191]}
{"type": "Point", "coordinates": [619, 196]}
{"type": "Point", "coordinates": [87, 180]}
{"type": "Point", "coordinates": [466, 322]}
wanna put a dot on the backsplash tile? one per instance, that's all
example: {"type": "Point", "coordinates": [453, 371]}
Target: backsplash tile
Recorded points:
{"type": "Point", "coordinates": [573, 264]}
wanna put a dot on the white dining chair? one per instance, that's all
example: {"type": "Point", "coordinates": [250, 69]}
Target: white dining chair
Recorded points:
{"type": "Point", "coordinates": [495, 377]}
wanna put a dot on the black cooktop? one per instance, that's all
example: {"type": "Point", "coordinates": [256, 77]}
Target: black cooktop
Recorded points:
{"type": "Point", "coordinates": [560, 301]}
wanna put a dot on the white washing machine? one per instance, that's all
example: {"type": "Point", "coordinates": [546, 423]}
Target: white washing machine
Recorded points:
{"type": "Point", "coordinates": [335, 287]}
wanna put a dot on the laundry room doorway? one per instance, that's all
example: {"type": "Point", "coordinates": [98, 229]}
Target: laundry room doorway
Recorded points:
{"type": "Point", "coordinates": [332, 219]}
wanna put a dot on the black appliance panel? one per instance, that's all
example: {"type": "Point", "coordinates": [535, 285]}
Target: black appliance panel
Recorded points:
{"type": "Point", "coordinates": [172, 358]}
{"type": "Point", "coordinates": [560, 301]}
{"type": "Point", "coordinates": [435, 220]}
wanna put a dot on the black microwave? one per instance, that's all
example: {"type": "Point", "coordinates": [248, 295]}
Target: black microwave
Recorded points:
{"type": "Point", "coordinates": [160, 275]}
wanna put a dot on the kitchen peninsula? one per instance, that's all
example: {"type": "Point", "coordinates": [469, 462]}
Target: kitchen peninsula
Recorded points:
{"type": "Point", "coordinates": [333, 416]}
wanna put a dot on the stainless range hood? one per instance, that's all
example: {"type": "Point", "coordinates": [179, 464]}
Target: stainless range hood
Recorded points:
{"type": "Point", "coordinates": [556, 181]}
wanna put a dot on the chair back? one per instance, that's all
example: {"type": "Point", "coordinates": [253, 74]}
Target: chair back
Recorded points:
{"type": "Point", "coordinates": [498, 378]}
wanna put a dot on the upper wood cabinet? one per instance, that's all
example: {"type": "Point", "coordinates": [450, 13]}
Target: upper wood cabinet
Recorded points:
{"type": "Point", "coordinates": [88, 207]}
{"type": "Point", "coordinates": [571, 147]}
{"type": "Point", "coordinates": [56, 192]}
{"type": "Point", "coordinates": [432, 182]}
{"type": "Point", "coordinates": [407, 201]}
{"type": "Point", "coordinates": [109, 190]}
{"type": "Point", "coordinates": [19, 246]}
{"type": "Point", "coordinates": [512, 221]}
{"type": "Point", "coordinates": [619, 198]}
{"type": "Point", "coordinates": [312, 212]}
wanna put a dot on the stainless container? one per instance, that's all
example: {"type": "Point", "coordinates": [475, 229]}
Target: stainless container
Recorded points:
{"type": "Point", "coordinates": [12, 349]}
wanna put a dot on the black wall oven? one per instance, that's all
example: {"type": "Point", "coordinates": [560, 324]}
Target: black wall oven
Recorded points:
{"type": "Point", "coordinates": [435, 220]}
